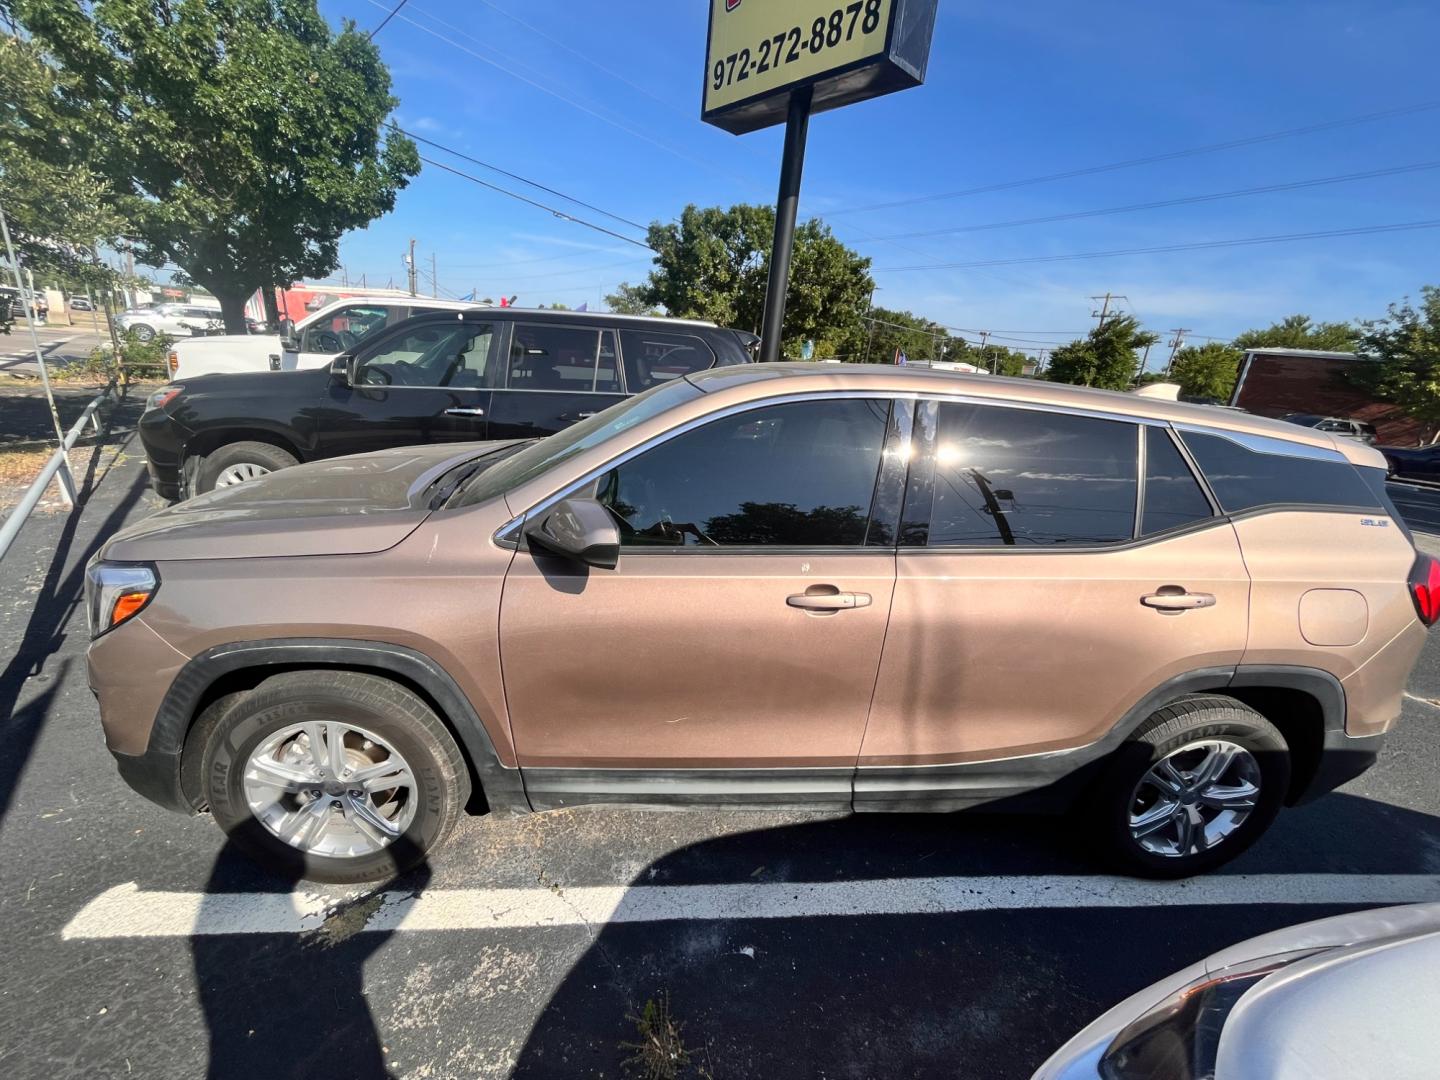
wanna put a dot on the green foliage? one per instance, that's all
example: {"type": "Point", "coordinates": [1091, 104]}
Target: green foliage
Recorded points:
{"type": "Point", "coordinates": [714, 264]}
{"type": "Point", "coordinates": [1207, 371]}
{"type": "Point", "coordinates": [630, 299]}
{"type": "Point", "coordinates": [56, 207]}
{"type": "Point", "coordinates": [1108, 357]}
{"type": "Point", "coordinates": [238, 139]}
{"type": "Point", "coordinates": [1404, 350]}
{"type": "Point", "coordinates": [881, 331]}
{"type": "Point", "coordinates": [1298, 332]}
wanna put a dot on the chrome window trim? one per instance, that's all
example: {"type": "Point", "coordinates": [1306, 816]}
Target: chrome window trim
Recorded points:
{"type": "Point", "coordinates": [550, 500]}
{"type": "Point", "coordinates": [1269, 444]}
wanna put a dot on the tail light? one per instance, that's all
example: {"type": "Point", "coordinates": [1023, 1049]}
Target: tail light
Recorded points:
{"type": "Point", "coordinates": [1425, 588]}
{"type": "Point", "coordinates": [174, 361]}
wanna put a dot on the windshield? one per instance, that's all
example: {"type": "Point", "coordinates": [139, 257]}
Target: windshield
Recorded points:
{"type": "Point", "coordinates": [546, 453]}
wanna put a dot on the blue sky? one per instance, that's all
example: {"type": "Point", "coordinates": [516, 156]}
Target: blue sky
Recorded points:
{"type": "Point", "coordinates": [601, 101]}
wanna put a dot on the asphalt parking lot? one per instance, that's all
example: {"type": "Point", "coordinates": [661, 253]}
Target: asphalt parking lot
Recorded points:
{"type": "Point", "coordinates": [138, 944]}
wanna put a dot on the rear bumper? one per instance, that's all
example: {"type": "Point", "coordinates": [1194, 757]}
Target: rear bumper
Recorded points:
{"type": "Point", "coordinates": [1342, 758]}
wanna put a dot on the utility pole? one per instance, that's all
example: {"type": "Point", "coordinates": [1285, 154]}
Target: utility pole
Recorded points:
{"type": "Point", "coordinates": [344, 277]}
{"type": "Point", "coordinates": [434, 281]}
{"type": "Point", "coordinates": [410, 265]}
{"type": "Point", "coordinates": [1104, 311]}
{"type": "Point", "coordinates": [1175, 343]}
{"type": "Point", "coordinates": [870, 318]}
{"type": "Point", "coordinates": [984, 337]}
{"type": "Point", "coordinates": [1145, 359]}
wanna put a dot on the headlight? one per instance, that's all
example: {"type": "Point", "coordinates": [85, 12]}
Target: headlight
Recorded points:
{"type": "Point", "coordinates": [1180, 1038]}
{"type": "Point", "coordinates": [162, 397]}
{"type": "Point", "coordinates": [115, 592]}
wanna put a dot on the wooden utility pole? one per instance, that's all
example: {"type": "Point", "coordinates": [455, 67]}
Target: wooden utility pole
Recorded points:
{"type": "Point", "coordinates": [434, 281]}
{"type": "Point", "coordinates": [1175, 343]}
{"type": "Point", "coordinates": [1104, 311]}
{"type": "Point", "coordinates": [410, 265]}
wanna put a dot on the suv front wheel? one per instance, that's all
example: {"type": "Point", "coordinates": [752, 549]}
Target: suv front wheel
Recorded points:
{"type": "Point", "coordinates": [1195, 786]}
{"type": "Point", "coordinates": [235, 463]}
{"type": "Point", "coordinates": [334, 776]}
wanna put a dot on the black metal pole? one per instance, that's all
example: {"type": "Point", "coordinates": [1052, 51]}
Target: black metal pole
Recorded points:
{"type": "Point", "coordinates": [797, 124]}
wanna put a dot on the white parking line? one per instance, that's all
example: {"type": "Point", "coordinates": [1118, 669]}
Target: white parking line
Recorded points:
{"type": "Point", "coordinates": [126, 911]}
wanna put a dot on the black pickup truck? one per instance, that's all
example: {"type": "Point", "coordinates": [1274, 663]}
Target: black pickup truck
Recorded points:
{"type": "Point", "coordinates": [487, 373]}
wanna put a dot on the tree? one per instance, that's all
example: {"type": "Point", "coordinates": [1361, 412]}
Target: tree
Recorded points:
{"type": "Point", "coordinates": [714, 264]}
{"type": "Point", "coordinates": [1299, 332]}
{"type": "Point", "coordinates": [882, 331]}
{"type": "Point", "coordinates": [630, 299]}
{"type": "Point", "coordinates": [56, 209]}
{"type": "Point", "coordinates": [1207, 371]}
{"type": "Point", "coordinates": [240, 139]}
{"type": "Point", "coordinates": [1404, 353]}
{"type": "Point", "coordinates": [1108, 357]}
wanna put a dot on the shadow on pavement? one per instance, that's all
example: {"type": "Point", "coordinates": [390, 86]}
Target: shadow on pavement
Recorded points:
{"type": "Point", "coordinates": [976, 994]}
{"type": "Point", "coordinates": [291, 1005]}
{"type": "Point", "coordinates": [56, 602]}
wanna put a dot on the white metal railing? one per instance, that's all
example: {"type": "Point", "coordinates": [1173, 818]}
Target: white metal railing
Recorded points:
{"type": "Point", "coordinates": [59, 464]}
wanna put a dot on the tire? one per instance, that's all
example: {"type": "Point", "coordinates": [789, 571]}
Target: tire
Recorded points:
{"type": "Point", "coordinates": [142, 331]}
{"type": "Point", "coordinates": [1187, 733]}
{"type": "Point", "coordinates": [229, 464]}
{"type": "Point", "coordinates": [396, 721]}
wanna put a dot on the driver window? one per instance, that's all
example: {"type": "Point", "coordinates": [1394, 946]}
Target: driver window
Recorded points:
{"type": "Point", "coordinates": [452, 354]}
{"type": "Point", "coordinates": [344, 329]}
{"type": "Point", "coordinates": [800, 474]}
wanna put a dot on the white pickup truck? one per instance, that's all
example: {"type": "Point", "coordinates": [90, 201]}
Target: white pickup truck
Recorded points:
{"type": "Point", "coordinates": [313, 342]}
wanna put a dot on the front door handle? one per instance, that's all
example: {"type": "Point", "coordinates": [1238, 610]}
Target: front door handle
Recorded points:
{"type": "Point", "coordinates": [1172, 599]}
{"type": "Point", "coordinates": [465, 412]}
{"type": "Point", "coordinates": [828, 601]}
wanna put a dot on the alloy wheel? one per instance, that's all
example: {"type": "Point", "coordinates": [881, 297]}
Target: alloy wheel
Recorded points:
{"type": "Point", "coordinates": [331, 789]}
{"type": "Point", "coordinates": [1194, 798]}
{"type": "Point", "coordinates": [239, 473]}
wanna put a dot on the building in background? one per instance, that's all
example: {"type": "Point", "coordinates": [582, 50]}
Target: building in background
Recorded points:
{"type": "Point", "coordinates": [1274, 382]}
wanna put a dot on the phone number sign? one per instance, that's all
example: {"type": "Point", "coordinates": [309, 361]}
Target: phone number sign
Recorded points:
{"type": "Point", "coordinates": [760, 51]}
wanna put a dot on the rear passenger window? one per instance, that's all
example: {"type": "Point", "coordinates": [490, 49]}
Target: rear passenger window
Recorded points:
{"type": "Point", "coordinates": [1173, 497]}
{"type": "Point", "coordinates": [652, 358]}
{"type": "Point", "coordinates": [1021, 478]}
{"type": "Point", "coordinates": [559, 358]}
{"type": "Point", "coordinates": [1243, 478]}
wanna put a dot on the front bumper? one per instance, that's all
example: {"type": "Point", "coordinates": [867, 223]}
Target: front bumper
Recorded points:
{"type": "Point", "coordinates": [155, 775]}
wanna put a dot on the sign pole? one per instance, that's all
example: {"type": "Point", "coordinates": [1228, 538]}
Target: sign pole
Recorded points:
{"type": "Point", "coordinates": [787, 204]}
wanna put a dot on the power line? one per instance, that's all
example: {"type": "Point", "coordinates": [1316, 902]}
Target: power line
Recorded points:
{"type": "Point", "coordinates": [1164, 248]}
{"type": "Point", "coordinates": [1149, 159]}
{"type": "Point", "coordinates": [516, 176]}
{"type": "Point", "coordinates": [709, 165]}
{"type": "Point", "coordinates": [1157, 204]}
{"type": "Point", "coordinates": [371, 35]}
{"type": "Point", "coordinates": [550, 209]}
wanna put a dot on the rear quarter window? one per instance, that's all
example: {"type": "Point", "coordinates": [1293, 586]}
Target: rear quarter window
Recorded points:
{"type": "Point", "coordinates": [1244, 478]}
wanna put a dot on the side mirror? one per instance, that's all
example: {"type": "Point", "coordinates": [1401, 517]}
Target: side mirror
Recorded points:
{"type": "Point", "coordinates": [287, 328]}
{"type": "Point", "coordinates": [342, 369]}
{"type": "Point", "coordinates": [579, 529]}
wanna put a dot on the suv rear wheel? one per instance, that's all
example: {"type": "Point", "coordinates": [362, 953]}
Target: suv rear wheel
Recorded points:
{"type": "Point", "coordinates": [237, 462]}
{"type": "Point", "coordinates": [334, 776]}
{"type": "Point", "coordinates": [1195, 786]}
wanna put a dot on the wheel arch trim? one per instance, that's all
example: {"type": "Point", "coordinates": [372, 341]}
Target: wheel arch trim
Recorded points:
{"type": "Point", "coordinates": [501, 785]}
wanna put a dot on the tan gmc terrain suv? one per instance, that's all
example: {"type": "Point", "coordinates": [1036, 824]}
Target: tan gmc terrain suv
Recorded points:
{"type": "Point", "coordinates": [806, 585]}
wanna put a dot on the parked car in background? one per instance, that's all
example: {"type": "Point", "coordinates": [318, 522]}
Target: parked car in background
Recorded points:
{"type": "Point", "coordinates": [1336, 425]}
{"type": "Point", "coordinates": [1339, 999]}
{"type": "Point", "coordinates": [1421, 463]}
{"type": "Point", "coordinates": [312, 343]}
{"type": "Point", "coordinates": [445, 376]}
{"type": "Point", "coordinates": [848, 587]}
{"type": "Point", "coordinates": [174, 320]}
{"type": "Point", "coordinates": [80, 303]}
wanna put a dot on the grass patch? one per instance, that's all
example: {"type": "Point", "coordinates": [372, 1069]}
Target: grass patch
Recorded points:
{"type": "Point", "coordinates": [660, 1052]}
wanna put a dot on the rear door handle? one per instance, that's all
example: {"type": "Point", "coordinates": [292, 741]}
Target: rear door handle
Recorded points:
{"type": "Point", "coordinates": [464, 412]}
{"type": "Point", "coordinates": [828, 601]}
{"type": "Point", "coordinates": [1173, 600]}
{"type": "Point", "coordinates": [569, 418]}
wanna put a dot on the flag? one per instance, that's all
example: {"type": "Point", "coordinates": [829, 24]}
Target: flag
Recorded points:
{"type": "Point", "coordinates": [469, 296]}
{"type": "Point", "coordinates": [900, 357]}
{"type": "Point", "coordinates": [584, 307]}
